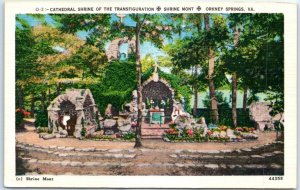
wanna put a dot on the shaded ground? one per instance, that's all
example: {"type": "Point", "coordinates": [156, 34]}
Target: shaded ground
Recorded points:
{"type": "Point", "coordinates": [74, 157]}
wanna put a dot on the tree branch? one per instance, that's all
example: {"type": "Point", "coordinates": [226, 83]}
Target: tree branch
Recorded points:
{"type": "Point", "coordinates": [143, 21]}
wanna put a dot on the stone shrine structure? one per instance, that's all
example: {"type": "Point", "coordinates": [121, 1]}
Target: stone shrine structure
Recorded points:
{"type": "Point", "coordinates": [67, 112]}
{"type": "Point", "coordinates": [158, 97]}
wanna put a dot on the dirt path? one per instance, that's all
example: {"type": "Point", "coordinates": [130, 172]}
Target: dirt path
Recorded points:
{"type": "Point", "coordinates": [30, 137]}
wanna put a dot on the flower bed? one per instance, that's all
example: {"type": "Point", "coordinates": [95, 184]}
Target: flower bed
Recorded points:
{"type": "Point", "coordinates": [109, 138]}
{"type": "Point", "coordinates": [217, 134]}
{"type": "Point", "coordinates": [20, 115]}
{"type": "Point", "coordinates": [130, 137]}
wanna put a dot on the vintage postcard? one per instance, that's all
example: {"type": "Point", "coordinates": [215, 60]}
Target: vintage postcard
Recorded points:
{"type": "Point", "coordinates": [150, 94]}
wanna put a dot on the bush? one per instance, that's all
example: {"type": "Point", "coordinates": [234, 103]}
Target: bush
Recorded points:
{"type": "Point", "coordinates": [223, 103]}
{"type": "Point", "coordinates": [43, 130]}
{"type": "Point", "coordinates": [41, 119]}
{"type": "Point", "coordinates": [83, 132]}
{"type": "Point", "coordinates": [128, 136]}
{"type": "Point", "coordinates": [116, 86]}
{"type": "Point", "coordinates": [19, 119]}
{"type": "Point", "coordinates": [225, 116]}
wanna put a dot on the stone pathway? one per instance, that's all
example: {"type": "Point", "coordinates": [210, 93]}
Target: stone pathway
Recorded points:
{"type": "Point", "coordinates": [62, 160]}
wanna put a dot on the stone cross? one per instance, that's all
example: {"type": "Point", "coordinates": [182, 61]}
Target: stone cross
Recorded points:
{"type": "Point", "coordinates": [155, 73]}
{"type": "Point", "coordinates": [155, 67]}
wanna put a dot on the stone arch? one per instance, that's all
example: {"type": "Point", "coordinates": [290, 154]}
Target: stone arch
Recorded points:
{"type": "Point", "coordinates": [79, 104]}
{"type": "Point", "coordinates": [159, 90]}
{"type": "Point", "coordinates": [112, 52]}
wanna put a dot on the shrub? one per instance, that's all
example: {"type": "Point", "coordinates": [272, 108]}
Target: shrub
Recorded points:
{"type": "Point", "coordinates": [116, 86]}
{"type": "Point", "coordinates": [41, 119]}
{"type": "Point", "coordinates": [128, 136]}
{"type": "Point", "coordinates": [19, 119]}
{"type": "Point", "coordinates": [83, 132]}
{"type": "Point", "coordinates": [43, 130]}
{"type": "Point", "coordinates": [223, 103]}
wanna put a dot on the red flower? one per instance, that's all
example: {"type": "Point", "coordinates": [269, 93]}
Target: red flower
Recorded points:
{"type": "Point", "coordinates": [171, 131]}
{"type": "Point", "coordinates": [239, 129]}
{"type": "Point", "coordinates": [190, 132]}
{"type": "Point", "coordinates": [23, 111]}
{"type": "Point", "coordinates": [209, 132]}
{"type": "Point", "coordinates": [134, 124]}
{"type": "Point", "coordinates": [26, 113]}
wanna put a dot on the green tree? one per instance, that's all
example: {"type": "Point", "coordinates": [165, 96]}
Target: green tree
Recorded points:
{"type": "Point", "coordinates": [200, 48]}
{"type": "Point", "coordinates": [28, 76]}
{"type": "Point", "coordinates": [102, 28]}
{"type": "Point", "coordinates": [54, 61]}
{"type": "Point", "coordinates": [256, 53]}
{"type": "Point", "coordinates": [147, 63]}
{"type": "Point", "coordinates": [144, 25]}
{"type": "Point", "coordinates": [188, 55]}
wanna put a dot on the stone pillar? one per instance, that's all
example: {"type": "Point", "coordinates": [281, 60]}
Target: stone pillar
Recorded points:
{"type": "Point", "coordinates": [53, 118]}
{"type": "Point", "coordinates": [78, 126]}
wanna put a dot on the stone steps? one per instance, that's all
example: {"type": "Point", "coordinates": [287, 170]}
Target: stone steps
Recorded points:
{"type": "Point", "coordinates": [153, 133]}
{"type": "Point", "coordinates": [240, 160]}
{"type": "Point", "coordinates": [76, 154]}
{"type": "Point", "coordinates": [91, 161]}
{"type": "Point", "coordinates": [98, 168]}
{"type": "Point", "coordinates": [121, 164]}
{"type": "Point", "coordinates": [72, 149]}
{"type": "Point", "coordinates": [157, 126]}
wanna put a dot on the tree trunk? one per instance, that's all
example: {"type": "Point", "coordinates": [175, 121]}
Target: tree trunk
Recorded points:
{"type": "Point", "coordinates": [58, 89]}
{"type": "Point", "coordinates": [20, 98]}
{"type": "Point", "coordinates": [195, 93]}
{"type": "Point", "coordinates": [49, 95]}
{"type": "Point", "coordinates": [32, 106]}
{"type": "Point", "coordinates": [195, 102]}
{"type": "Point", "coordinates": [211, 65]}
{"type": "Point", "coordinates": [234, 80]}
{"type": "Point", "coordinates": [43, 99]}
{"type": "Point", "coordinates": [234, 91]}
{"type": "Point", "coordinates": [245, 98]}
{"type": "Point", "coordinates": [138, 137]}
